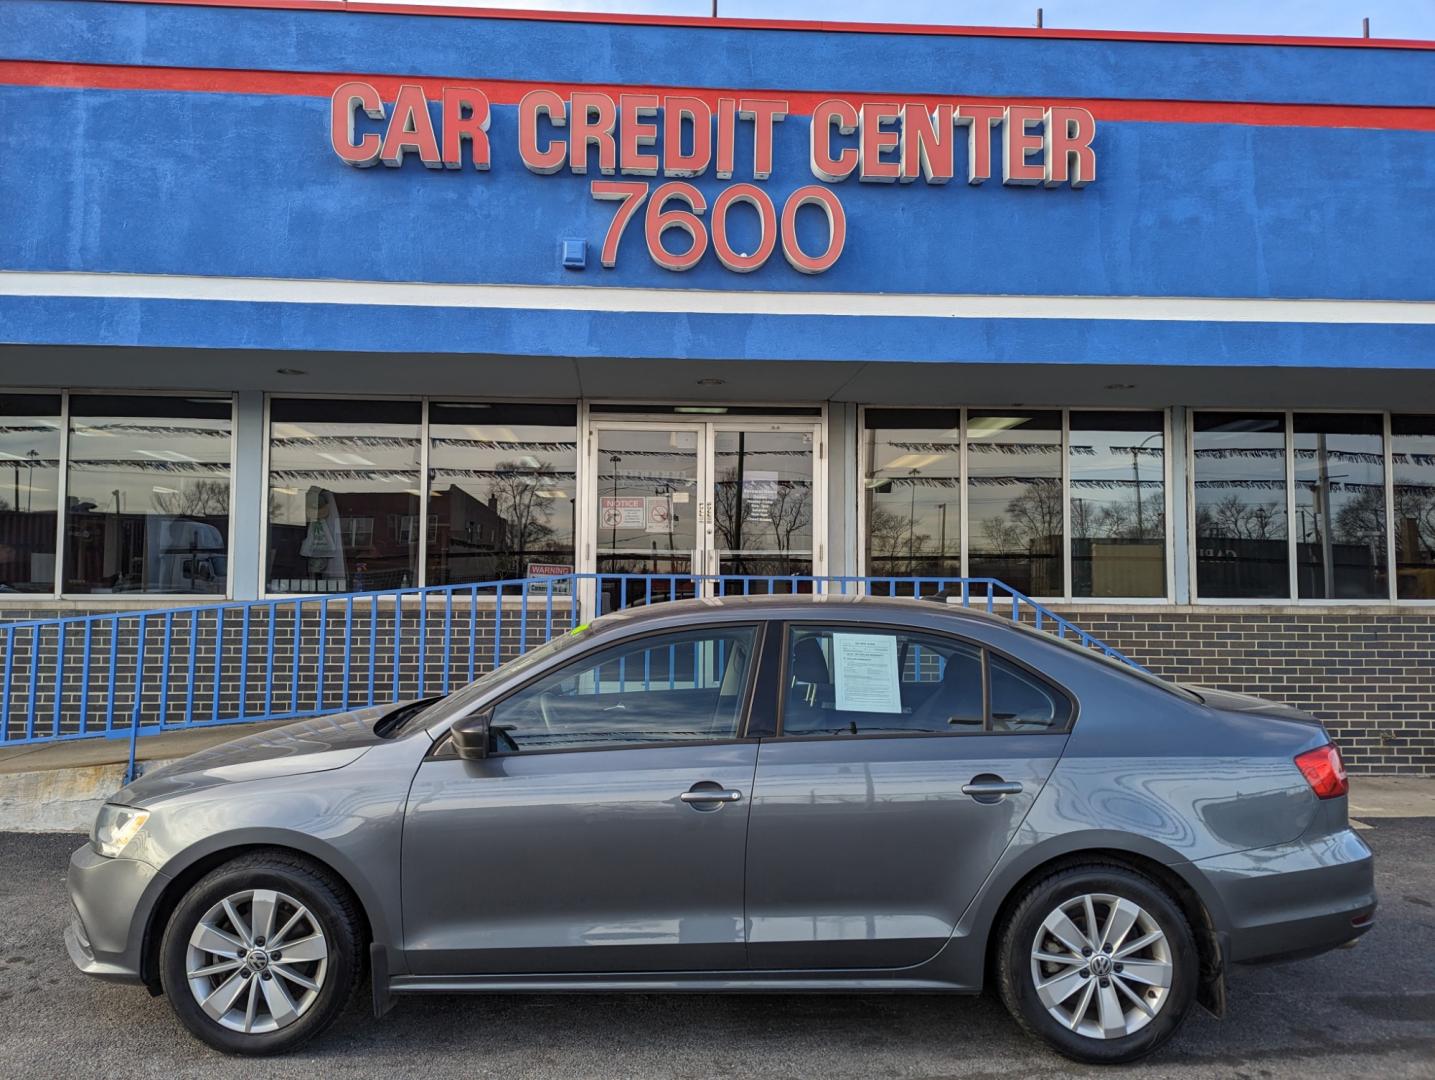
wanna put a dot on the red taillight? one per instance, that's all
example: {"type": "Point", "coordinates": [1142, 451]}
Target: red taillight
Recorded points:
{"type": "Point", "coordinates": [1325, 771]}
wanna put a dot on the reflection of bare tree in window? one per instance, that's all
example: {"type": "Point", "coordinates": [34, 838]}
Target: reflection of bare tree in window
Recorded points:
{"type": "Point", "coordinates": [1234, 518]}
{"type": "Point", "coordinates": [1361, 520]}
{"type": "Point", "coordinates": [727, 503]}
{"type": "Point", "coordinates": [1415, 522]}
{"type": "Point", "coordinates": [891, 538]}
{"type": "Point", "coordinates": [514, 490]}
{"type": "Point", "coordinates": [201, 498]}
{"type": "Point", "coordinates": [1096, 519]}
{"type": "Point", "coordinates": [1033, 516]}
{"type": "Point", "coordinates": [789, 514]}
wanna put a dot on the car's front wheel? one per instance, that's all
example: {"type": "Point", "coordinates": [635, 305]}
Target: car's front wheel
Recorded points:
{"type": "Point", "coordinates": [262, 953]}
{"type": "Point", "coordinates": [1099, 962]}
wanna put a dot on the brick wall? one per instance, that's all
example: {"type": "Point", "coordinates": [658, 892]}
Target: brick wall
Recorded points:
{"type": "Point", "coordinates": [1369, 673]}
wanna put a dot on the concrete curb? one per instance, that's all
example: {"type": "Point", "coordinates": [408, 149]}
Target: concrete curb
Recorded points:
{"type": "Point", "coordinates": [59, 800]}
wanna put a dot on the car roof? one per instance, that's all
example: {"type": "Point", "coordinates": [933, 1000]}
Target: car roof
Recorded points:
{"type": "Point", "coordinates": [794, 606]}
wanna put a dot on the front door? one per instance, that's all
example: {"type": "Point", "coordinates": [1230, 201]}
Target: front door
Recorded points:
{"type": "Point", "coordinates": [683, 509]}
{"type": "Point", "coordinates": [607, 830]}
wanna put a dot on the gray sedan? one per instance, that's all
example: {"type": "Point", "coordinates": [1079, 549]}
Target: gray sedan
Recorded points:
{"type": "Point", "coordinates": [781, 795]}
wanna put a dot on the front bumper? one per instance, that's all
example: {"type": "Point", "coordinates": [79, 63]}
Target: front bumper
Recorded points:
{"type": "Point", "coordinates": [105, 937]}
{"type": "Point", "coordinates": [1296, 899]}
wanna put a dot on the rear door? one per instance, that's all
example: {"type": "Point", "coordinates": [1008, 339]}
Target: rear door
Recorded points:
{"type": "Point", "coordinates": [605, 832]}
{"type": "Point", "coordinates": [904, 764]}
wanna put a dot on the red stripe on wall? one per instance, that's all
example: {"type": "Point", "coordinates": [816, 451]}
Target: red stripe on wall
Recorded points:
{"type": "Point", "coordinates": [361, 7]}
{"type": "Point", "coordinates": [509, 91]}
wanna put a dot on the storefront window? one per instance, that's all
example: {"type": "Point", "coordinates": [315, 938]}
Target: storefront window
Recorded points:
{"type": "Point", "coordinates": [912, 492]}
{"type": "Point", "coordinates": [29, 491]}
{"type": "Point", "coordinates": [344, 495]}
{"type": "Point", "coordinates": [1340, 506]}
{"type": "Point", "coordinates": [147, 495]}
{"type": "Point", "coordinates": [1014, 500]}
{"type": "Point", "coordinates": [1412, 445]}
{"type": "Point", "coordinates": [502, 491]}
{"type": "Point", "coordinates": [1118, 504]}
{"type": "Point", "coordinates": [1240, 505]}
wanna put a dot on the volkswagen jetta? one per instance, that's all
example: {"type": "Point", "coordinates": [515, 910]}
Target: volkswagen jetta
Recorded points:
{"type": "Point", "coordinates": [779, 794]}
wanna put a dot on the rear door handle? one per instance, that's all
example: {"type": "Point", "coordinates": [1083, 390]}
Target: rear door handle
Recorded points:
{"type": "Point", "coordinates": [990, 788]}
{"type": "Point", "coordinates": [711, 795]}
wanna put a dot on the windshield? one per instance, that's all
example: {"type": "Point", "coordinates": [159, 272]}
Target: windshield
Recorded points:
{"type": "Point", "coordinates": [458, 702]}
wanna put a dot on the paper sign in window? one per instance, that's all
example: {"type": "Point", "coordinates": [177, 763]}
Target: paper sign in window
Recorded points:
{"type": "Point", "coordinates": [865, 673]}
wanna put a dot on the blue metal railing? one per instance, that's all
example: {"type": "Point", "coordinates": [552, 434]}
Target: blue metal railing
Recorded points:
{"type": "Point", "coordinates": [136, 673]}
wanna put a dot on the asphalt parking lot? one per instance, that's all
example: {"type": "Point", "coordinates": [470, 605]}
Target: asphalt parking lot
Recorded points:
{"type": "Point", "coordinates": [1367, 1011]}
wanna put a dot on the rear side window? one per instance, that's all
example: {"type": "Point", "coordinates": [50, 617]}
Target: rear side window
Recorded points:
{"type": "Point", "coordinates": [859, 680]}
{"type": "Point", "coordinates": [1022, 702]}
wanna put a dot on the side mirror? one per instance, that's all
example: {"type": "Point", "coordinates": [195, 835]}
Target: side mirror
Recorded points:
{"type": "Point", "coordinates": [471, 737]}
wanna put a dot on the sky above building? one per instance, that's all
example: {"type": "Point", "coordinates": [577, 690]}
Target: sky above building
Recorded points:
{"type": "Point", "coordinates": [1323, 18]}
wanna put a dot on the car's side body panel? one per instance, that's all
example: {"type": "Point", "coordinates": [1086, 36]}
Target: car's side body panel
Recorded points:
{"type": "Point", "coordinates": [583, 860]}
{"type": "Point", "coordinates": [864, 852]}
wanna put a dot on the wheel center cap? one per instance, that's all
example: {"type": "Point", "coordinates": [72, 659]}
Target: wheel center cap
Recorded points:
{"type": "Point", "coordinates": [258, 959]}
{"type": "Point", "coordinates": [1101, 964]}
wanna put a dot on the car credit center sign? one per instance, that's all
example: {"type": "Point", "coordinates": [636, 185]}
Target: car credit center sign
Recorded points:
{"type": "Point", "coordinates": [878, 142]}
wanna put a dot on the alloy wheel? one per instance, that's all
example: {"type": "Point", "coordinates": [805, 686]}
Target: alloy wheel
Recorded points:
{"type": "Point", "coordinates": [257, 961]}
{"type": "Point", "coordinates": [1101, 966]}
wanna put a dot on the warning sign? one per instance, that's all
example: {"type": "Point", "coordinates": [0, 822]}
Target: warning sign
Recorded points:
{"type": "Point", "coordinates": [621, 512]}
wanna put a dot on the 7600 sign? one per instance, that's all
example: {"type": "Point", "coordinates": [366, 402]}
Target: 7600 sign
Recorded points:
{"type": "Point", "coordinates": [680, 205]}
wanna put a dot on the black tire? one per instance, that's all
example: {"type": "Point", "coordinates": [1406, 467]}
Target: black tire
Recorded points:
{"type": "Point", "coordinates": [1015, 980]}
{"type": "Point", "coordinates": [327, 900]}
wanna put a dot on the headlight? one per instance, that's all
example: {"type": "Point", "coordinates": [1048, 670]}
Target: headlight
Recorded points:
{"type": "Point", "coordinates": [115, 827]}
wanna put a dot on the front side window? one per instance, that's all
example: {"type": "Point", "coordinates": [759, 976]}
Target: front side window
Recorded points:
{"type": "Point", "coordinates": [1240, 505]}
{"type": "Point", "coordinates": [344, 494]}
{"type": "Point", "coordinates": [867, 680]}
{"type": "Point", "coordinates": [679, 687]}
{"type": "Point", "coordinates": [29, 491]}
{"type": "Point", "coordinates": [1412, 444]}
{"type": "Point", "coordinates": [147, 494]}
{"type": "Point", "coordinates": [503, 487]}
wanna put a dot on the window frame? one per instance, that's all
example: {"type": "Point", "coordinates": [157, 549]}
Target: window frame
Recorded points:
{"type": "Point", "coordinates": [578, 405]}
{"type": "Point", "coordinates": [986, 651]}
{"type": "Point", "coordinates": [1064, 449]}
{"type": "Point", "coordinates": [443, 747]}
{"type": "Point", "coordinates": [127, 600]}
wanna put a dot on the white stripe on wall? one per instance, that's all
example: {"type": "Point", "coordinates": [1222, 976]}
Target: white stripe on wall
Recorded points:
{"type": "Point", "coordinates": [701, 301]}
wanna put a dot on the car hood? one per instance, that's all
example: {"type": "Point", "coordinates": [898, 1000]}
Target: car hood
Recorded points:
{"type": "Point", "coordinates": [308, 746]}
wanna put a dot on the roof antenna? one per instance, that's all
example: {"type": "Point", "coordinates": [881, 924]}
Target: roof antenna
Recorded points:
{"type": "Point", "coordinates": [1364, 25]}
{"type": "Point", "coordinates": [715, 3]}
{"type": "Point", "coordinates": [1039, 19]}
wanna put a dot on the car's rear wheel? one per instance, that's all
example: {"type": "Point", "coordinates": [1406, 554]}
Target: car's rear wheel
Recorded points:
{"type": "Point", "coordinates": [261, 954]}
{"type": "Point", "coordinates": [1099, 962]}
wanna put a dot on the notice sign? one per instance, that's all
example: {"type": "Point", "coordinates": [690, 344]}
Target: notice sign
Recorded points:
{"type": "Point", "coordinates": [620, 512]}
{"type": "Point", "coordinates": [659, 517]}
{"type": "Point", "coordinates": [864, 668]}
{"type": "Point", "coordinates": [759, 492]}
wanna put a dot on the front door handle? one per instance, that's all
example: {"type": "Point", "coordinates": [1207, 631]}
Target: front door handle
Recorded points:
{"type": "Point", "coordinates": [989, 788]}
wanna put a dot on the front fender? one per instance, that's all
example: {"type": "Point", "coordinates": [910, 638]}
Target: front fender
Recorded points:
{"type": "Point", "coordinates": [349, 819]}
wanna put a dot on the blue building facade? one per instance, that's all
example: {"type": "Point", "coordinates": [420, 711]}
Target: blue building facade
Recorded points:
{"type": "Point", "coordinates": [298, 297]}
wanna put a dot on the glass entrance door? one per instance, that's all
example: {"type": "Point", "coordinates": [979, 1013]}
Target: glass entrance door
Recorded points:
{"type": "Point", "coordinates": [696, 501]}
